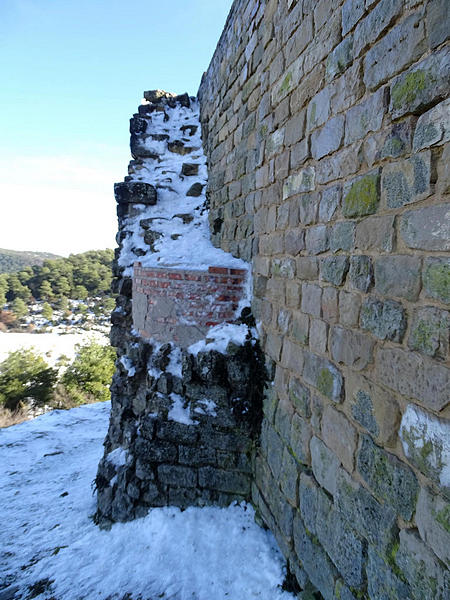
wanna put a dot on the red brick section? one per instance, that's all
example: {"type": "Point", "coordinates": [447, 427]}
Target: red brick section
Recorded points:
{"type": "Point", "coordinates": [207, 298]}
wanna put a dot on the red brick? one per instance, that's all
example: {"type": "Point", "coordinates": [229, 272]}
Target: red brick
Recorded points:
{"type": "Point", "coordinates": [222, 270]}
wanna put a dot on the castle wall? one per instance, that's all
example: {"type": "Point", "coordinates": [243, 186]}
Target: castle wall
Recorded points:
{"type": "Point", "coordinates": [326, 129]}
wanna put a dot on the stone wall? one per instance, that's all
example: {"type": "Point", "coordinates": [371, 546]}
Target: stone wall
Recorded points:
{"type": "Point", "coordinates": [181, 305]}
{"type": "Point", "coordinates": [326, 127]}
{"type": "Point", "coordinates": [185, 419]}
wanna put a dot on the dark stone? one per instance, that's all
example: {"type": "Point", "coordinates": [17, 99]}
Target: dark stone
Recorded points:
{"type": "Point", "coordinates": [195, 190]}
{"type": "Point", "coordinates": [178, 147]}
{"type": "Point", "coordinates": [135, 192]}
{"type": "Point", "coordinates": [138, 125]}
{"type": "Point", "coordinates": [189, 169]}
{"type": "Point", "coordinates": [157, 451]}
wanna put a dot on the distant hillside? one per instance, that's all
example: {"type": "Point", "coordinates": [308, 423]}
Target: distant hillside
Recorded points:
{"type": "Point", "coordinates": [15, 260]}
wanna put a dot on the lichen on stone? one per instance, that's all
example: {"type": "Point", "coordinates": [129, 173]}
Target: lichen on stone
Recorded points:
{"type": "Point", "coordinates": [363, 196]}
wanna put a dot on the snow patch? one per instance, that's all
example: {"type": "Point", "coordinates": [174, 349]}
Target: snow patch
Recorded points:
{"type": "Point", "coordinates": [419, 429]}
{"type": "Point", "coordinates": [117, 457]}
{"type": "Point", "coordinates": [128, 366]}
{"type": "Point", "coordinates": [219, 337]}
{"type": "Point", "coordinates": [179, 412]}
{"type": "Point", "coordinates": [48, 466]}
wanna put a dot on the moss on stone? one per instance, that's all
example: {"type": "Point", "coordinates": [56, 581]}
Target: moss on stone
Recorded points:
{"type": "Point", "coordinates": [437, 281]}
{"type": "Point", "coordinates": [443, 517]}
{"type": "Point", "coordinates": [263, 131]}
{"type": "Point", "coordinates": [406, 90]}
{"type": "Point", "coordinates": [286, 84]}
{"type": "Point", "coordinates": [393, 147]}
{"type": "Point", "coordinates": [362, 197]}
{"type": "Point", "coordinates": [325, 383]}
{"type": "Point", "coordinates": [423, 338]}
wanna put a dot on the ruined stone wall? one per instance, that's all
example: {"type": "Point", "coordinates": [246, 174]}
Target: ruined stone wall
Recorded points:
{"type": "Point", "coordinates": [326, 127]}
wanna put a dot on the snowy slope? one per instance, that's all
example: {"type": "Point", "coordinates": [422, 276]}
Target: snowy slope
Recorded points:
{"type": "Point", "coordinates": [51, 549]}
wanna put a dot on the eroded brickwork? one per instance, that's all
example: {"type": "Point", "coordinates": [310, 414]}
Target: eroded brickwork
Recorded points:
{"type": "Point", "coordinates": [180, 305]}
{"type": "Point", "coordinates": [326, 127]}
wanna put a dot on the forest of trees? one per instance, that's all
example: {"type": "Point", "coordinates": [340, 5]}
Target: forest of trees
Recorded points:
{"type": "Point", "coordinates": [77, 277]}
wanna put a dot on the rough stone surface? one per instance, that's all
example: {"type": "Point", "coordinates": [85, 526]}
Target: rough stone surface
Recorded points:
{"type": "Point", "coordinates": [325, 465]}
{"type": "Point", "coordinates": [390, 480]}
{"type": "Point", "coordinates": [427, 228]}
{"type": "Point", "coordinates": [398, 276]}
{"type": "Point", "coordinates": [386, 320]}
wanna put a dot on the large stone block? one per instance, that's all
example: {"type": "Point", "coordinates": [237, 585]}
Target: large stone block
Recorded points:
{"type": "Point", "coordinates": [345, 548]}
{"type": "Point", "coordinates": [436, 278]}
{"type": "Point", "coordinates": [426, 443]}
{"type": "Point", "coordinates": [362, 195]}
{"type": "Point", "coordinates": [351, 348]}
{"type": "Point", "coordinates": [135, 192]}
{"type": "Point", "coordinates": [177, 476]}
{"type": "Point", "coordinates": [342, 236]}
{"type": "Point", "coordinates": [314, 560]}
{"type": "Point", "coordinates": [352, 11]}
{"type": "Point", "coordinates": [289, 477]}
{"type": "Point", "coordinates": [398, 276]}
{"type": "Point", "coordinates": [329, 202]}
{"type": "Point", "coordinates": [383, 582]}
{"type": "Point", "coordinates": [361, 272]}
{"type": "Point", "coordinates": [400, 47]}
{"type": "Point", "coordinates": [377, 21]}
{"type": "Point", "coordinates": [324, 376]}
{"type": "Point", "coordinates": [386, 320]}
{"type": "Point", "coordinates": [422, 85]}
{"type": "Point", "coordinates": [407, 181]}
{"type": "Point", "coordinates": [425, 575]}
{"type": "Point", "coordinates": [427, 228]}
{"type": "Point", "coordinates": [316, 239]}
{"type": "Point", "coordinates": [389, 479]}
{"type": "Point", "coordinates": [225, 481]}
{"type": "Point", "coordinates": [318, 109]}
{"type": "Point", "coordinates": [311, 297]}
{"type": "Point", "coordinates": [328, 139]}
{"type": "Point", "coordinates": [413, 376]}
{"type": "Point", "coordinates": [308, 491]}
{"type": "Point", "coordinates": [376, 233]}
{"type": "Point", "coordinates": [303, 181]}
{"type": "Point", "coordinates": [438, 22]}
{"type": "Point", "coordinates": [299, 395]}
{"type": "Point", "coordinates": [340, 436]}
{"type": "Point", "coordinates": [300, 438]}
{"type": "Point", "coordinates": [365, 117]}
{"type": "Point", "coordinates": [433, 127]}
{"type": "Point", "coordinates": [334, 269]}
{"type": "Point", "coordinates": [376, 522]}
{"type": "Point", "coordinates": [349, 307]}
{"type": "Point", "coordinates": [430, 332]}
{"type": "Point", "coordinates": [373, 408]}
{"type": "Point", "coordinates": [340, 58]}
{"type": "Point", "coordinates": [433, 522]}
{"type": "Point", "coordinates": [325, 465]}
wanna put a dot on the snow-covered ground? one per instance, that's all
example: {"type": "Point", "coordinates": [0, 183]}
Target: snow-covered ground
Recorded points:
{"type": "Point", "coordinates": [51, 549]}
{"type": "Point", "coordinates": [52, 345]}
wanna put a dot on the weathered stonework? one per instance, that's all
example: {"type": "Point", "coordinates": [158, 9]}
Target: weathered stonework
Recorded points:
{"type": "Point", "coordinates": [326, 126]}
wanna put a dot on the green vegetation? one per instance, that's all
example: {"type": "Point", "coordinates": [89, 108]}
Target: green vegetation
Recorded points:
{"type": "Point", "coordinates": [77, 277]}
{"type": "Point", "coordinates": [26, 379]}
{"type": "Point", "coordinates": [362, 197]}
{"type": "Point", "coordinates": [89, 376]}
{"type": "Point", "coordinates": [14, 260]}
{"type": "Point", "coordinates": [405, 91]}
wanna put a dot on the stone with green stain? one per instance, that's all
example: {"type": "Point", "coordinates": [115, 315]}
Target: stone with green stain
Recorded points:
{"type": "Point", "coordinates": [300, 397]}
{"type": "Point", "coordinates": [436, 278]}
{"type": "Point", "coordinates": [435, 531]}
{"type": "Point", "coordinates": [390, 480]}
{"type": "Point", "coordinates": [342, 236]}
{"type": "Point", "coordinates": [303, 181]}
{"type": "Point", "coordinates": [299, 441]}
{"type": "Point", "coordinates": [383, 581]}
{"type": "Point", "coordinates": [339, 59]}
{"type": "Point", "coordinates": [421, 85]}
{"type": "Point", "coordinates": [426, 576]}
{"type": "Point", "coordinates": [365, 514]}
{"type": "Point", "coordinates": [430, 331]}
{"type": "Point", "coordinates": [433, 127]}
{"type": "Point", "coordinates": [362, 195]}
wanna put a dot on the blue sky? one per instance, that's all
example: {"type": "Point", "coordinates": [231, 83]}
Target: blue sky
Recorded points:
{"type": "Point", "coordinates": [73, 72]}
